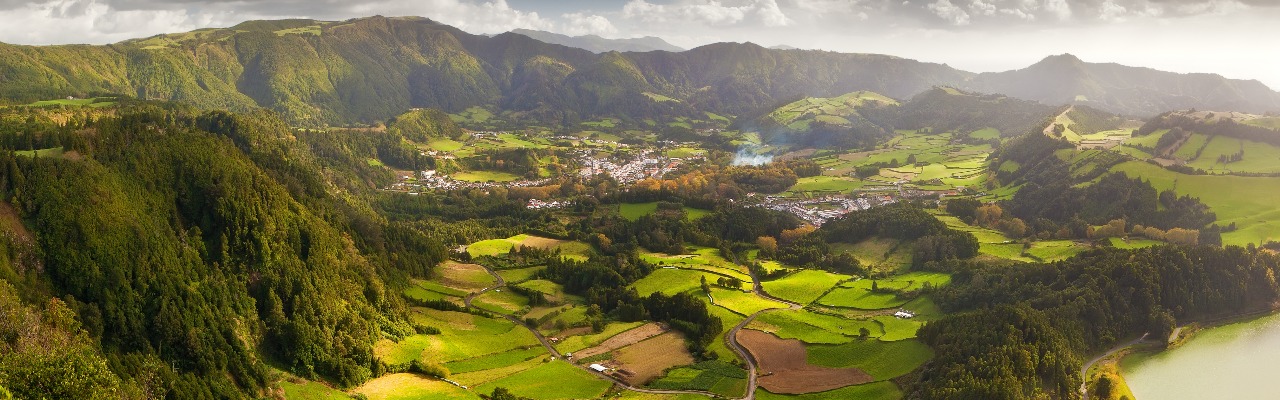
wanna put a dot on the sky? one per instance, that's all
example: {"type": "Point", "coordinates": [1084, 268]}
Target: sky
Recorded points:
{"type": "Point", "coordinates": [1235, 38]}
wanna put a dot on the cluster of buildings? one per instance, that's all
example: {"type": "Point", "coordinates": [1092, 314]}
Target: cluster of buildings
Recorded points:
{"type": "Point", "coordinates": [818, 211]}
{"type": "Point", "coordinates": [647, 164]}
{"type": "Point", "coordinates": [431, 180]}
{"type": "Point", "coordinates": [535, 204]}
{"type": "Point", "coordinates": [904, 314]}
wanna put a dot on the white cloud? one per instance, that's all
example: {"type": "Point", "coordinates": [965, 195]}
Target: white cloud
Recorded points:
{"type": "Point", "coordinates": [1059, 8]}
{"type": "Point", "coordinates": [708, 12]}
{"type": "Point", "coordinates": [577, 24]}
{"type": "Point", "coordinates": [950, 12]}
{"type": "Point", "coordinates": [90, 21]}
{"type": "Point", "coordinates": [1110, 11]}
{"type": "Point", "coordinates": [982, 8]}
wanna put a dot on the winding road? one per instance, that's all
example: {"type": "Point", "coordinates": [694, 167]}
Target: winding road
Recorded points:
{"type": "Point", "coordinates": [1084, 369]}
{"type": "Point", "coordinates": [731, 338]}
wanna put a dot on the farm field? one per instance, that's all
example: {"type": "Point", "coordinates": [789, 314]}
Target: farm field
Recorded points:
{"type": "Point", "coordinates": [308, 390]}
{"type": "Point", "coordinates": [92, 103]}
{"type": "Point", "coordinates": [485, 176]}
{"type": "Point", "coordinates": [1247, 201]}
{"type": "Point", "coordinates": [464, 277]}
{"type": "Point", "coordinates": [882, 360]}
{"type": "Point", "coordinates": [411, 387]}
{"type": "Point", "coordinates": [786, 367]}
{"type": "Point", "coordinates": [579, 342]}
{"type": "Point", "coordinates": [869, 391]}
{"type": "Point", "coordinates": [813, 328]}
{"type": "Point", "coordinates": [803, 287]}
{"type": "Point", "coordinates": [463, 336]}
{"type": "Point", "coordinates": [715, 376]}
{"type": "Point", "coordinates": [633, 211]}
{"type": "Point", "coordinates": [650, 358]}
{"type": "Point", "coordinates": [550, 380]}
{"type": "Point", "coordinates": [859, 294]}
{"type": "Point", "coordinates": [703, 258]}
{"type": "Point", "coordinates": [745, 303]}
{"type": "Point", "coordinates": [670, 281]}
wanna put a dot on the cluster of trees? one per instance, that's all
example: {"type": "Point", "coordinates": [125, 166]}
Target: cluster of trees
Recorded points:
{"type": "Point", "coordinates": [1052, 204]}
{"type": "Point", "coordinates": [1023, 332]}
{"type": "Point", "coordinates": [935, 241]}
{"type": "Point", "coordinates": [710, 183]}
{"type": "Point", "coordinates": [1185, 123]}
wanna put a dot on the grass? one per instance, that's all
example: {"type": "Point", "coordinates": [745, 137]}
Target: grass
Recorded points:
{"type": "Point", "coordinates": [985, 134]}
{"type": "Point", "coordinates": [497, 360]}
{"type": "Point", "coordinates": [670, 281]}
{"type": "Point", "coordinates": [858, 294]}
{"type": "Point", "coordinates": [720, 377]}
{"type": "Point", "coordinates": [694, 214]}
{"type": "Point", "coordinates": [685, 152]}
{"type": "Point", "coordinates": [502, 302]}
{"type": "Point", "coordinates": [861, 299]}
{"type": "Point", "coordinates": [742, 302]}
{"type": "Point", "coordinates": [1134, 243]}
{"type": "Point", "coordinates": [870, 391]}
{"type": "Point", "coordinates": [896, 329]}
{"type": "Point", "coordinates": [703, 258]}
{"type": "Point", "coordinates": [494, 247]}
{"type": "Point", "coordinates": [552, 380]}
{"type": "Point", "coordinates": [813, 328]}
{"type": "Point", "coordinates": [825, 184]}
{"type": "Point", "coordinates": [412, 387]}
{"type": "Point", "coordinates": [634, 211]}
{"type": "Point", "coordinates": [882, 360]}
{"type": "Point", "coordinates": [54, 152]}
{"type": "Point", "coordinates": [803, 287]}
{"type": "Point", "coordinates": [1247, 201]}
{"type": "Point", "coordinates": [308, 390]}
{"type": "Point", "coordinates": [446, 145]}
{"type": "Point", "coordinates": [514, 276]}
{"type": "Point", "coordinates": [93, 103]}
{"type": "Point", "coordinates": [485, 176]}
{"type": "Point", "coordinates": [462, 336]}
{"type": "Point", "coordinates": [580, 342]}
{"type": "Point", "coordinates": [1055, 250]}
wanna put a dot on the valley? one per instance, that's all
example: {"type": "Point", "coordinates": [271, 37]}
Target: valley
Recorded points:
{"type": "Point", "coordinates": [394, 208]}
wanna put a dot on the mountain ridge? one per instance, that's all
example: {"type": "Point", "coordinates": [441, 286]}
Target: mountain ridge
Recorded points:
{"type": "Point", "coordinates": [597, 44]}
{"type": "Point", "coordinates": [365, 70]}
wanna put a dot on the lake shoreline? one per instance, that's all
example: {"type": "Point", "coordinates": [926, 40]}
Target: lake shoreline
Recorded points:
{"type": "Point", "coordinates": [1185, 335]}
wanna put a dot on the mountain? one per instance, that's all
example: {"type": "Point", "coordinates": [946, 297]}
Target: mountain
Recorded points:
{"type": "Point", "coordinates": [366, 70]}
{"type": "Point", "coordinates": [596, 44]}
{"type": "Point", "coordinates": [783, 47]}
{"type": "Point", "coordinates": [1065, 79]}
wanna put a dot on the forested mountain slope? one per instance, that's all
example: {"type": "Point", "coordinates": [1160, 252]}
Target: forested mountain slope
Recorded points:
{"type": "Point", "coordinates": [365, 70]}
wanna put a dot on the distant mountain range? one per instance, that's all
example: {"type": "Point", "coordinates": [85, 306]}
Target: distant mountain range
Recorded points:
{"type": "Point", "coordinates": [596, 44]}
{"type": "Point", "coordinates": [369, 69]}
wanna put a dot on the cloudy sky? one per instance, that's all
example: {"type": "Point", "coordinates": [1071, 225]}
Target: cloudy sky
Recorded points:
{"type": "Point", "coordinates": [1236, 38]}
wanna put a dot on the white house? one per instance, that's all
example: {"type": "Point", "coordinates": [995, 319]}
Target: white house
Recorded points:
{"type": "Point", "coordinates": [598, 368]}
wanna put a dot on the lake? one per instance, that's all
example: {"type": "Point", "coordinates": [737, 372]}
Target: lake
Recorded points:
{"type": "Point", "coordinates": [1236, 361]}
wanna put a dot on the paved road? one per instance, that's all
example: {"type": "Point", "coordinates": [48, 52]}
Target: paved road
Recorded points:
{"type": "Point", "coordinates": [1084, 370]}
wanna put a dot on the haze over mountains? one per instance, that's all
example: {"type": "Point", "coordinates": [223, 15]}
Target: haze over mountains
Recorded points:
{"type": "Point", "coordinates": [597, 44]}
{"type": "Point", "coordinates": [369, 69]}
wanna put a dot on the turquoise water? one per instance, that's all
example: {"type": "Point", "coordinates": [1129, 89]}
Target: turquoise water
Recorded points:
{"type": "Point", "coordinates": [1237, 361]}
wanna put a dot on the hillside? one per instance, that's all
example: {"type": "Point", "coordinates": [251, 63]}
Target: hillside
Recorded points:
{"type": "Point", "coordinates": [1065, 79]}
{"type": "Point", "coordinates": [366, 70]}
{"type": "Point", "coordinates": [596, 44]}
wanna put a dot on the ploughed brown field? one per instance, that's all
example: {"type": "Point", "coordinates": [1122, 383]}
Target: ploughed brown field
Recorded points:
{"type": "Point", "coordinates": [624, 339]}
{"type": "Point", "coordinates": [648, 359]}
{"type": "Point", "coordinates": [784, 368]}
